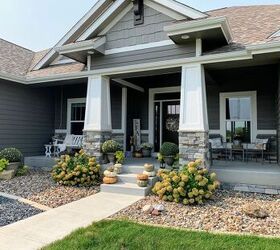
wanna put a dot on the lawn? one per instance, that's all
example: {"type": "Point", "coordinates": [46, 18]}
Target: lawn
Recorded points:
{"type": "Point", "coordinates": [115, 234]}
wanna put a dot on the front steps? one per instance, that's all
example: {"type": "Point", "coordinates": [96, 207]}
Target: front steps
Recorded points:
{"type": "Point", "coordinates": [127, 182]}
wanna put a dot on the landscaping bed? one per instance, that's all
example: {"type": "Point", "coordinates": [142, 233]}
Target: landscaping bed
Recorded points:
{"type": "Point", "coordinates": [38, 186]}
{"type": "Point", "coordinates": [127, 235]}
{"type": "Point", "coordinates": [224, 213]}
{"type": "Point", "coordinates": [12, 211]}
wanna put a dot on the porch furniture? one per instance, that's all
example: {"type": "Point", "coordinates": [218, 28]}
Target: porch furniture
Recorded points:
{"type": "Point", "coordinates": [70, 142]}
{"type": "Point", "coordinates": [48, 150]}
{"type": "Point", "coordinates": [218, 149]}
{"type": "Point", "coordinates": [237, 151]}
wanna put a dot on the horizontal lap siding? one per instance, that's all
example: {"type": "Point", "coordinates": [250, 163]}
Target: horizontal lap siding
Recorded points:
{"type": "Point", "coordinates": [262, 79]}
{"type": "Point", "coordinates": [26, 117]}
{"type": "Point", "coordinates": [144, 56]}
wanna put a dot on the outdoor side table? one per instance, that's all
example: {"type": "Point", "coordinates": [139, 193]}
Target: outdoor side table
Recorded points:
{"type": "Point", "coordinates": [48, 150]}
{"type": "Point", "coordinates": [237, 151]}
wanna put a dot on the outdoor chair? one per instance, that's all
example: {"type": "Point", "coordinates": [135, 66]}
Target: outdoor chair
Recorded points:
{"type": "Point", "coordinates": [217, 147]}
{"type": "Point", "coordinates": [70, 142]}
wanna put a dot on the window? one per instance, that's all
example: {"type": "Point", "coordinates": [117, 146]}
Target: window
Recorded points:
{"type": "Point", "coordinates": [173, 109]}
{"type": "Point", "coordinates": [76, 116]}
{"type": "Point", "coordinates": [238, 116]}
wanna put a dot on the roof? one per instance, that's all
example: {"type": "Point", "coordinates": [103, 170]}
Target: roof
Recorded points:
{"type": "Point", "coordinates": [249, 25]}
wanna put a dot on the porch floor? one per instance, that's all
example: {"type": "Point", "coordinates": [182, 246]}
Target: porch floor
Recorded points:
{"type": "Point", "coordinates": [40, 162]}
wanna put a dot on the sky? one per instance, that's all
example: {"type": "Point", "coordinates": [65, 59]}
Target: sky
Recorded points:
{"type": "Point", "coordinates": [39, 25]}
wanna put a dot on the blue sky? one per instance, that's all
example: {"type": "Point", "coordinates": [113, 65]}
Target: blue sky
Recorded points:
{"type": "Point", "coordinates": [40, 24]}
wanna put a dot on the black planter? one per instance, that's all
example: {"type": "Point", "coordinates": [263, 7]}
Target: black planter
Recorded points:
{"type": "Point", "coordinates": [169, 160]}
{"type": "Point", "coordinates": [146, 152]}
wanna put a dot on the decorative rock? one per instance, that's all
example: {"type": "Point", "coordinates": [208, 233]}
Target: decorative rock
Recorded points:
{"type": "Point", "coordinates": [159, 207]}
{"type": "Point", "coordinates": [155, 212]}
{"type": "Point", "coordinates": [150, 174]}
{"type": "Point", "coordinates": [255, 211]}
{"type": "Point", "coordinates": [7, 174]}
{"type": "Point", "coordinates": [147, 209]}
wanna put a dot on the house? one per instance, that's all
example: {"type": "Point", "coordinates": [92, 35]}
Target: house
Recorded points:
{"type": "Point", "coordinates": [177, 69]}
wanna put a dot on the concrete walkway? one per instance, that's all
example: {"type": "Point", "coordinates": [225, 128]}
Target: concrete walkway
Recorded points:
{"type": "Point", "coordinates": [45, 228]}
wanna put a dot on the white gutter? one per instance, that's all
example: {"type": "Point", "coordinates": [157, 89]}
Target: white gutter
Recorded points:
{"type": "Point", "coordinates": [264, 48]}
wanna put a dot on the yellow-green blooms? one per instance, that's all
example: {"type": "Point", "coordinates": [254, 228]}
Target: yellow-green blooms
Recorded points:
{"type": "Point", "coordinates": [191, 185]}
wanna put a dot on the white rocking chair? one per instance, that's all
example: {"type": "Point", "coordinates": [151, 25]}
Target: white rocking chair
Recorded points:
{"type": "Point", "coordinates": [70, 141]}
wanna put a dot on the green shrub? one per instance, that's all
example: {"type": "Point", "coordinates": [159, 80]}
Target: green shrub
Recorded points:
{"type": "Point", "coordinates": [192, 185]}
{"type": "Point", "coordinates": [169, 149]}
{"type": "Point", "coordinates": [81, 170]}
{"type": "Point", "coordinates": [11, 154]}
{"type": "Point", "coordinates": [120, 157]}
{"type": "Point", "coordinates": [22, 170]}
{"type": "Point", "coordinates": [110, 146]}
{"type": "Point", "coordinates": [3, 164]}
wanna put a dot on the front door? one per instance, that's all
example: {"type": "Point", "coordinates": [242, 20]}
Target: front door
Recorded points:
{"type": "Point", "coordinates": [170, 121]}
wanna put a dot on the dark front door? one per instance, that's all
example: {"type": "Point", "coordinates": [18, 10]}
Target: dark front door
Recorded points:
{"type": "Point", "coordinates": [170, 121]}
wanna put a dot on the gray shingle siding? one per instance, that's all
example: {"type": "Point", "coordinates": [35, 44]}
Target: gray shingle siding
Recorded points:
{"type": "Point", "coordinates": [26, 117]}
{"type": "Point", "coordinates": [124, 33]}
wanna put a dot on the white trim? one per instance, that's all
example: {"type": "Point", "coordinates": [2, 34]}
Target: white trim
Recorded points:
{"type": "Point", "coordinates": [124, 116]}
{"type": "Point", "coordinates": [139, 47]}
{"type": "Point", "coordinates": [200, 25]}
{"type": "Point", "coordinates": [144, 132]}
{"type": "Point", "coordinates": [198, 47]}
{"type": "Point", "coordinates": [60, 131]}
{"type": "Point", "coordinates": [181, 8]}
{"type": "Point", "coordinates": [71, 101]}
{"type": "Point", "coordinates": [100, 4]}
{"type": "Point", "coordinates": [215, 131]}
{"type": "Point", "coordinates": [254, 120]}
{"type": "Point", "coordinates": [164, 10]}
{"type": "Point", "coordinates": [116, 20]}
{"type": "Point", "coordinates": [152, 92]}
{"type": "Point", "coordinates": [128, 84]}
{"type": "Point", "coordinates": [266, 132]}
{"type": "Point", "coordinates": [275, 34]}
{"type": "Point", "coordinates": [101, 19]}
{"type": "Point", "coordinates": [264, 48]}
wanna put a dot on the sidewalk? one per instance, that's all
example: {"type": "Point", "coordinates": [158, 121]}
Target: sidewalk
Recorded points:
{"type": "Point", "coordinates": [42, 229]}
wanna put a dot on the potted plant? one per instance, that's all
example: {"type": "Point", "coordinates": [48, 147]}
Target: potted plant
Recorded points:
{"type": "Point", "coordinates": [110, 147]}
{"type": "Point", "coordinates": [13, 156]}
{"type": "Point", "coordinates": [146, 149]}
{"type": "Point", "coordinates": [169, 152]}
{"type": "Point", "coordinates": [120, 157]}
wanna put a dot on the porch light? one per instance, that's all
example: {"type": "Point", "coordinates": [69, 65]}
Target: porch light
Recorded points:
{"type": "Point", "coordinates": [185, 37]}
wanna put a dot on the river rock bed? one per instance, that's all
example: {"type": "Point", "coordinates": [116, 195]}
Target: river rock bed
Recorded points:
{"type": "Point", "coordinates": [224, 213]}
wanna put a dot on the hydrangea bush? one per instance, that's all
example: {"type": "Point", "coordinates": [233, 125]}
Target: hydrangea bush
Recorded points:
{"type": "Point", "coordinates": [11, 154]}
{"type": "Point", "coordinates": [81, 170]}
{"type": "Point", "coordinates": [192, 185]}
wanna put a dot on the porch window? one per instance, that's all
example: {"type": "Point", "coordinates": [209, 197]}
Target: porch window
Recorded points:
{"type": "Point", "coordinates": [238, 119]}
{"type": "Point", "coordinates": [76, 116]}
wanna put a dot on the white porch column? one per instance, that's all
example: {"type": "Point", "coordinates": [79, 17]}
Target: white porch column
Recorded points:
{"type": "Point", "coordinates": [193, 129]}
{"type": "Point", "coordinates": [98, 125]}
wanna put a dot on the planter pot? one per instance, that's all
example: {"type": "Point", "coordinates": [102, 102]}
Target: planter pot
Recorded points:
{"type": "Point", "coordinates": [149, 167]}
{"type": "Point", "coordinates": [111, 157]}
{"type": "Point", "coordinates": [169, 160]}
{"type": "Point", "coordinates": [118, 168]}
{"type": "Point", "coordinates": [146, 152]}
{"type": "Point", "coordinates": [13, 166]}
{"type": "Point", "coordinates": [142, 183]}
{"type": "Point", "coordinates": [138, 155]}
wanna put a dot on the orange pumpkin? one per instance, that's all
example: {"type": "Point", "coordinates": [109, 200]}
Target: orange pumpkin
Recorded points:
{"type": "Point", "coordinates": [142, 177]}
{"type": "Point", "coordinates": [110, 180]}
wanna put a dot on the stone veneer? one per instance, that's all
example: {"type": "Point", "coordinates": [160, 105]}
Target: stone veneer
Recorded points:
{"type": "Point", "coordinates": [93, 141]}
{"type": "Point", "coordinates": [193, 146]}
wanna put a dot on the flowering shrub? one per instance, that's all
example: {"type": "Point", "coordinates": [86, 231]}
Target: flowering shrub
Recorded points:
{"type": "Point", "coordinates": [146, 145]}
{"type": "Point", "coordinates": [80, 169]}
{"type": "Point", "coordinates": [11, 154]}
{"type": "Point", "coordinates": [192, 185]}
{"type": "Point", "coordinates": [110, 146]}
{"type": "Point", "coordinates": [3, 164]}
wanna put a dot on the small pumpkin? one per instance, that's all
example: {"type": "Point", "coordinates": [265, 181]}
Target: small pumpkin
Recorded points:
{"type": "Point", "coordinates": [108, 173]}
{"type": "Point", "coordinates": [149, 167]}
{"type": "Point", "coordinates": [110, 180]}
{"type": "Point", "coordinates": [150, 174]}
{"type": "Point", "coordinates": [142, 177]}
{"type": "Point", "coordinates": [142, 183]}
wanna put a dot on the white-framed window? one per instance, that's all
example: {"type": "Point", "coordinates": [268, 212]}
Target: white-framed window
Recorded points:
{"type": "Point", "coordinates": [76, 115]}
{"type": "Point", "coordinates": [238, 116]}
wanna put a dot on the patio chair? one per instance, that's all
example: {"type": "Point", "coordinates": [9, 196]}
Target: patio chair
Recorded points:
{"type": "Point", "coordinates": [70, 142]}
{"type": "Point", "coordinates": [258, 148]}
{"type": "Point", "coordinates": [217, 147]}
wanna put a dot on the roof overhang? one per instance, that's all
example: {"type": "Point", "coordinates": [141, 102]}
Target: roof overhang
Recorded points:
{"type": "Point", "coordinates": [213, 30]}
{"type": "Point", "coordinates": [80, 50]}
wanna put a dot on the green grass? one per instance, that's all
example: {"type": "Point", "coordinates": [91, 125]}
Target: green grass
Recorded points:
{"type": "Point", "coordinates": [129, 235]}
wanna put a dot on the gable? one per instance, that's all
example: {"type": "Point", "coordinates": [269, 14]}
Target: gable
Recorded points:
{"type": "Point", "coordinates": [125, 33]}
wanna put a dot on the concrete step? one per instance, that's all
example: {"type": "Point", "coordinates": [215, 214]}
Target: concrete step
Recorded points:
{"type": "Point", "coordinates": [126, 188]}
{"type": "Point", "coordinates": [132, 178]}
{"type": "Point", "coordinates": [135, 169]}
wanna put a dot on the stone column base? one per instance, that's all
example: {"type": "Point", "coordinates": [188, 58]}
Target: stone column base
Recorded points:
{"type": "Point", "coordinates": [193, 146]}
{"type": "Point", "coordinates": [93, 141]}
